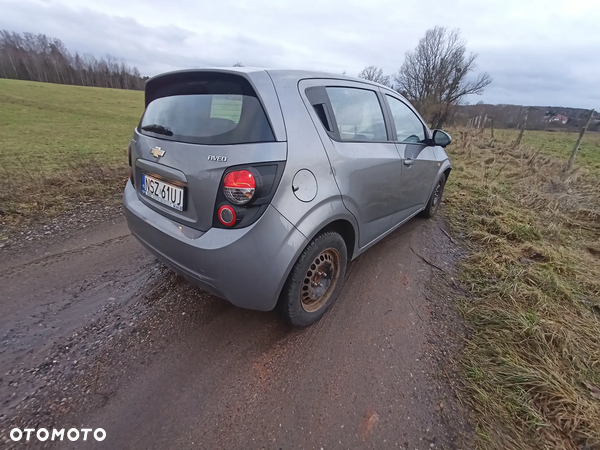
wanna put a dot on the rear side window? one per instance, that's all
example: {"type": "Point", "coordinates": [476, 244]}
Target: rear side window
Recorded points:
{"type": "Point", "coordinates": [208, 110]}
{"type": "Point", "coordinates": [409, 128]}
{"type": "Point", "coordinates": [358, 114]}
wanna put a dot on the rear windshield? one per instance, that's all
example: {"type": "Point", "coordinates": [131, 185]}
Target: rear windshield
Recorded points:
{"type": "Point", "coordinates": [207, 111]}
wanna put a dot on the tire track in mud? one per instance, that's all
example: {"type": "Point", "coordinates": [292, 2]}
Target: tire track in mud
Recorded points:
{"type": "Point", "coordinates": [53, 258]}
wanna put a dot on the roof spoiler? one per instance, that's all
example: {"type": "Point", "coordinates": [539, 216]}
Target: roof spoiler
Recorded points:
{"type": "Point", "coordinates": [211, 81]}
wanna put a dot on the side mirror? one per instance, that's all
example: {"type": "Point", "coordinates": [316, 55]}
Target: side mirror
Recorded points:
{"type": "Point", "coordinates": [441, 138]}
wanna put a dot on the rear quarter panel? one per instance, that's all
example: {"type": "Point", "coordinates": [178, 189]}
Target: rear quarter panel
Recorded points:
{"type": "Point", "coordinates": [306, 151]}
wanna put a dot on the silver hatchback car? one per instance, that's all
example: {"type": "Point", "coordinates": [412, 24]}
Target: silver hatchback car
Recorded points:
{"type": "Point", "coordinates": [259, 186]}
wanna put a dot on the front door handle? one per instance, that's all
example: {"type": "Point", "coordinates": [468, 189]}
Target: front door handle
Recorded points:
{"type": "Point", "coordinates": [408, 162]}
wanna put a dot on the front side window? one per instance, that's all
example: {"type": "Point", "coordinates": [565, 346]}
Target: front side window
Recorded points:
{"type": "Point", "coordinates": [358, 114]}
{"type": "Point", "coordinates": [409, 128]}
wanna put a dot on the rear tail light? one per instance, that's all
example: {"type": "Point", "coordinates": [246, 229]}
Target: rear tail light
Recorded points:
{"type": "Point", "coordinates": [245, 193]}
{"type": "Point", "coordinates": [226, 215]}
{"type": "Point", "coordinates": [239, 187]}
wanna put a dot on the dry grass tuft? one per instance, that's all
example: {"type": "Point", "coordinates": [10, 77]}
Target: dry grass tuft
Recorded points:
{"type": "Point", "coordinates": [533, 301]}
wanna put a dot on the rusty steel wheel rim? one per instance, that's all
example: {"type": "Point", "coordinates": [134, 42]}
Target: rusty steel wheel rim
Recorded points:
{"type": "Point", "coordinates": [320, 280]}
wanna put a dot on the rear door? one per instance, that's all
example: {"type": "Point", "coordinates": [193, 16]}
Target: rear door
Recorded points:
{"type": "Point", "coordinates": [195, 126]}
{"type": "Point", "coordinates": [365, 161]}
{"type": "Point", "coordinates": [419, 162]}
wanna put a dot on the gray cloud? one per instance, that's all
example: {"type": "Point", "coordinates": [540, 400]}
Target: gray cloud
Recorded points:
{"type": "Point", "coordinates": [534, 50]}
{"type": "Point", "coordinates": [550, 76]}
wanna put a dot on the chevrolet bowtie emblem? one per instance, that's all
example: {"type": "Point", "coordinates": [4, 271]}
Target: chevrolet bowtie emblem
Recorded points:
{"type": "Point", "coordinates": [157, 152]}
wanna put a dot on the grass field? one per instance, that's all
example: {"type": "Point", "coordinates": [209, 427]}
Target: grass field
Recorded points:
{"type": "Point", "coordinates": [558, 143]}
{"type": "Point", "coordinates": [61, 144]}
{"type": "Point", "coordinates": [532, 289]}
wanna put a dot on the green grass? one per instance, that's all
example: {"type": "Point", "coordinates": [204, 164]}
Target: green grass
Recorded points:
{"type": "Point", "coordinates": [532, 289]}
{"type": "Point", "coordinates": [47, 126]}
{"type": "Point", "coordinates": [62, 144]}
{"type": "Point", "coordinates": [559, 144]}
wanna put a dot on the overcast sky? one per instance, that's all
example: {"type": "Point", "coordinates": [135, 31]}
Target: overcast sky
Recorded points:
{"type": "Point", "coordinates": [539, 52]}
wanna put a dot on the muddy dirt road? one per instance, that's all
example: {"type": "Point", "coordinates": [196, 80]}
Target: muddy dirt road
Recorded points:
{"type": "Point", "coordinates": [95, 332]}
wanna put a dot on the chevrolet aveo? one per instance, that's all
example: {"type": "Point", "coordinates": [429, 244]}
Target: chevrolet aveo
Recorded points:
{"type": "Point", "coordinates": [259, 186]}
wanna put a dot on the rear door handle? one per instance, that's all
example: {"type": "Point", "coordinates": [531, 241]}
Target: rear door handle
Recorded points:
{"type": "Point", "coordinates": [408, 162]}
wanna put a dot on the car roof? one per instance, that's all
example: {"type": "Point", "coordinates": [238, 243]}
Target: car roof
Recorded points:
{"type": "Point", "coordinates": [289, 74]}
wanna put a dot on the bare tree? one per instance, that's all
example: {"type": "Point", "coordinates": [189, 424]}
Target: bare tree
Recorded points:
{"type": "Point", "coordinates": [435, 75]}
{"type": "Point", "coordinates": [238, 64]}
{"type": "Point", "coordinates": [374, 73]}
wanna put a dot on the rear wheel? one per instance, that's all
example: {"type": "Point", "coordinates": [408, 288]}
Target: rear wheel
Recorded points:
{"type": "Point", "coordinates": [315, 280]}
{"type": "Point", "coordinates": [436, 198]}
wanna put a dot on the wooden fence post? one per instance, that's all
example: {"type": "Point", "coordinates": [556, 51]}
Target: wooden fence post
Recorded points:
{"type": "Point", "coordinates": [517, 141]}
{"type": "Point", "coordinates": [576, 147]}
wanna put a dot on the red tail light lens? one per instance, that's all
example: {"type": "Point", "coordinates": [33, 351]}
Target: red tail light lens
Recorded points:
{"type": "Point", "coordinates": [239, 187]}
{"type": "Point", "coordinates": [226, 215]}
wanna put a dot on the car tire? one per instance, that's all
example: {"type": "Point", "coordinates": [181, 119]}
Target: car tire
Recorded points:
{"type": "Point", "coordinates": [315, 281]}
{"type": "Point", "coordinates": [436, 198]}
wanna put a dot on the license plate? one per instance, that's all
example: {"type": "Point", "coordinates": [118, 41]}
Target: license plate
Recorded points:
{"type": "Point", "coordinates": [165, 193]}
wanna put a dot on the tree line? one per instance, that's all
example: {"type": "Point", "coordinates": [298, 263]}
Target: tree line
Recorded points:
{"type": "Point", "coordinates": [36, 57]}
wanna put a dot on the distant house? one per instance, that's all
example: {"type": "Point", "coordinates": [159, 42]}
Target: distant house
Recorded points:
{"type": "Point", "coordinates": [559, 118]}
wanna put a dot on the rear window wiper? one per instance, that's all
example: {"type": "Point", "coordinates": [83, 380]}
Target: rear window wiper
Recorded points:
{"type": "Point", "coordinates": [155, 128]}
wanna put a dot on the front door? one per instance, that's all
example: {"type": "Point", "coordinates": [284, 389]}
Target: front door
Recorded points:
{"type": "Point", "coordinates": [419, 163]}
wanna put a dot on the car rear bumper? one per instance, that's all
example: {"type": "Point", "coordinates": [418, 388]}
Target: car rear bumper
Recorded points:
{"type": "Point", "coordinates": [246, 266]}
